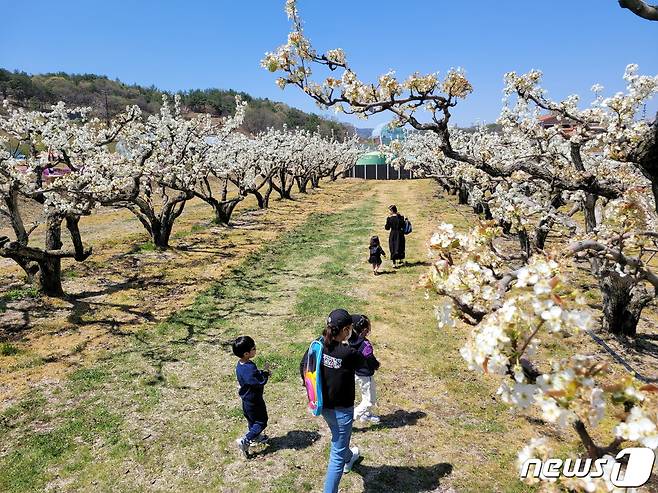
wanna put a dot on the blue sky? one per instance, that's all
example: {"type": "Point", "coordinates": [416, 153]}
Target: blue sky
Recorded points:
{"type": "Point", "coordinates": [197, 44]}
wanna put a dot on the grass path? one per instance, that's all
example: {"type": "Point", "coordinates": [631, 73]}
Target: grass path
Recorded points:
{"type": "Point", "coordinates": [162, 413]}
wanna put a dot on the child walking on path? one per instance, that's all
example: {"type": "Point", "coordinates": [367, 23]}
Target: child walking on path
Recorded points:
{"type": "Point", "coordinates": [252, 382]}
{"type": "Point", "coordinates": [365, 371]}
{"type": "Point", "coordinates": [376, 252]}
{"type": "Point", "coordinates": [339, 361]}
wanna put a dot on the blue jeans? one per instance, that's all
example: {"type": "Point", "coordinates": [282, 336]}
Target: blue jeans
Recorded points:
{"type": "Point", "coordinates": [339, 421]}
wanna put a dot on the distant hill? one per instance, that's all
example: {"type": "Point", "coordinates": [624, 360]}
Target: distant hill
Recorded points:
{"type": "Point", "coordinates": [108, 97]}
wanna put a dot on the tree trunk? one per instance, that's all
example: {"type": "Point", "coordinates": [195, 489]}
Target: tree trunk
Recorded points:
{"type": "Point", "coordinates": [487, 211]}
{"type": "Point", "coordinates": [224, 210]}
{"type": "Point", "coordinates": [161, 232]}
{"type": "Point", "coordinates": [165, 225]}
{"type": "Point", "coordinates": [543, 229]}
{"type": "Point", "coordinates": [463, 194]}
{"type": "Point", "coordinates": [287, 189]}
{"type": "Point", "coordinates": [225, 189]}
{"type": "Point", "coordinates": [623, 301]}
{"type": "Point", "coordinates": [524, 242]}
{"type": "Point", "coordinates": [50, 268]}
{"type": "Point", "coordinates": [315, 181]}
{"type": "Point", "coordinates": [283, 189]}
{"type": "Point", "coordinates": [259, 198]}
{"type": "Point", "coordinates": [590, 212]}
{"type": "Point", "coordinates": [540, 237]}
{"type": "Point", "coordinates": [590, 199]}
{"type": "Point", "coordinates": [645, 157]}
{"type": "Point", "coordinates": [268, 192]}
{"type": "Point", "coordinates": [302, 183]}
{"type": "Point", "coordinates": [30, 267]}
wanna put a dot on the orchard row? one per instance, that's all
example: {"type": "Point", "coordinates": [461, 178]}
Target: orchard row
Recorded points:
{"type": "Point", "coordinates": [74, 165]}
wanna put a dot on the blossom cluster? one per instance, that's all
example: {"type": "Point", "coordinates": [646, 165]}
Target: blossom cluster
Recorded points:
{"type": "Point", "coordinates": [464, 268]}
{"type": "Point", "coordinates": [345, 91]}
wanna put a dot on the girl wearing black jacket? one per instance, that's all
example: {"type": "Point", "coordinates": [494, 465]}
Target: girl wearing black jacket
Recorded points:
{"type": "Point", "coordinates": [339, 362]}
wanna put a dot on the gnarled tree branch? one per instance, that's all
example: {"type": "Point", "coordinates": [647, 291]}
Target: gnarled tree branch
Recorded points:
{"type": "Point", "coordinates": [641, 9]}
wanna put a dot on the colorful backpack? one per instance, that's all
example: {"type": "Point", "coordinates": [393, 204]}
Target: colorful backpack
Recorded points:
{"type": "Point", "coordinates": [312, 376]}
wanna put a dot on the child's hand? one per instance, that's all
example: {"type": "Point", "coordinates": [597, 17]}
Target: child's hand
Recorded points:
{"type": "Point", "coordinates": [266, 367]}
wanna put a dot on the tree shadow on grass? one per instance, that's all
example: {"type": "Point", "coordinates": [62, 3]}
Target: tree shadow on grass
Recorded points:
{"type": "Point", "coordinates": [192, 247]}
{"type": "Point", "coordinates": [383, 272]}
{"type": "Point", "coordinates": [646, 344]}
{"type": "Point", "coordinates": [295, 440]}
{"type": "Point", "coordinates": [415, 263]}
{"type": "Point", "coordinates": [396, 419]}
{"type": "Point", "coordinates": [402, 479]}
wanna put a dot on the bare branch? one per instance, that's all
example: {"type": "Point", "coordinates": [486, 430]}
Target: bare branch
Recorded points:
{"type": "Point", "coordinates": [641, 9]}
{"type": "Point", "coordinates": [617, 256]}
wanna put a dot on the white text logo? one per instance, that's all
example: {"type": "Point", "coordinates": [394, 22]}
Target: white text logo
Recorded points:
{"type": "Point", "coordinates": [637, 463]}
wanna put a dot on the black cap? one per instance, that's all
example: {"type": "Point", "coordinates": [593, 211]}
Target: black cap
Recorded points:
{"type": "Point", "coordinates": [339, 318]}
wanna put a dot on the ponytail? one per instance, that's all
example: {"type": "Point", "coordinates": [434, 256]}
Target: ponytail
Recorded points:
{"type": "Point", "coordinates": [329, 332]}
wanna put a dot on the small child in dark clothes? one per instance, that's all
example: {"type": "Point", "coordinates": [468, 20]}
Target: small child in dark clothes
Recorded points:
{"type": "Point", "coordinates": [376, 253]}
{"type": "Point", "coordinates": [252, 382]}
{"type": "Point", "coordinates": [364, 373]}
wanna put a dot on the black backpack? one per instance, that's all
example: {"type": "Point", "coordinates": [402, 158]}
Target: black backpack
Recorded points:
{"type": "Point", "coordinates": [407, 226]}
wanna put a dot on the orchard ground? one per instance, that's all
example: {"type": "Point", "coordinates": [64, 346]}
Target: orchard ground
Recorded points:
{"type": "Point", "coordinates": [128, 384]}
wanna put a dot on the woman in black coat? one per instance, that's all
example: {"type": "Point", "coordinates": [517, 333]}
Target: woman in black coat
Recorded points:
{"type": "Point", "coordinates": [395, 223]}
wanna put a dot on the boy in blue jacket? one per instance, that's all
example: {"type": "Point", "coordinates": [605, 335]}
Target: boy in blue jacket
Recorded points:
{"type": "Point", "coordinates": [252, 382]}
{"type": "Point", "coordinates": [364, 373]}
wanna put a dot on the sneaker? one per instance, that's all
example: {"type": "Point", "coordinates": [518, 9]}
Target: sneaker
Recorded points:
{"type": "Point", "coordinates": [363, 418]}
{"type": "Point", "coordinates": [243, 445]}
{"type": "Point", "coordinates": [262, 438]}
{"type": "Point", "coordinates": [373, 419]}
{"type": "Point", "coordinates": [355, 456]}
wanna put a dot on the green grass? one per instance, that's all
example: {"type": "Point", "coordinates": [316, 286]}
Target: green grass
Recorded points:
{"type": "Point", "coordinates": [71, 274]}
{"type": "Point", "coordinates": [145, 247]}
{"type": "Point", "coordinates": [87, 379]}
{"type": "Point", "coordinates": [20, 294]}
{"type": "Point", "coordinates": [285, 363]}
{"type": "Point", "coordinates": [316, 302]}
{"type": "Point", "coordinates": [334, 269]}
{"type": "Point", "coordinates": [7, 349]}
{"type": "Point", "coordinates": [27, 409]}
{"type": "Point", "coordinates": [196, 228]}
{"type": "Point", "coordinates": [26, 468]}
